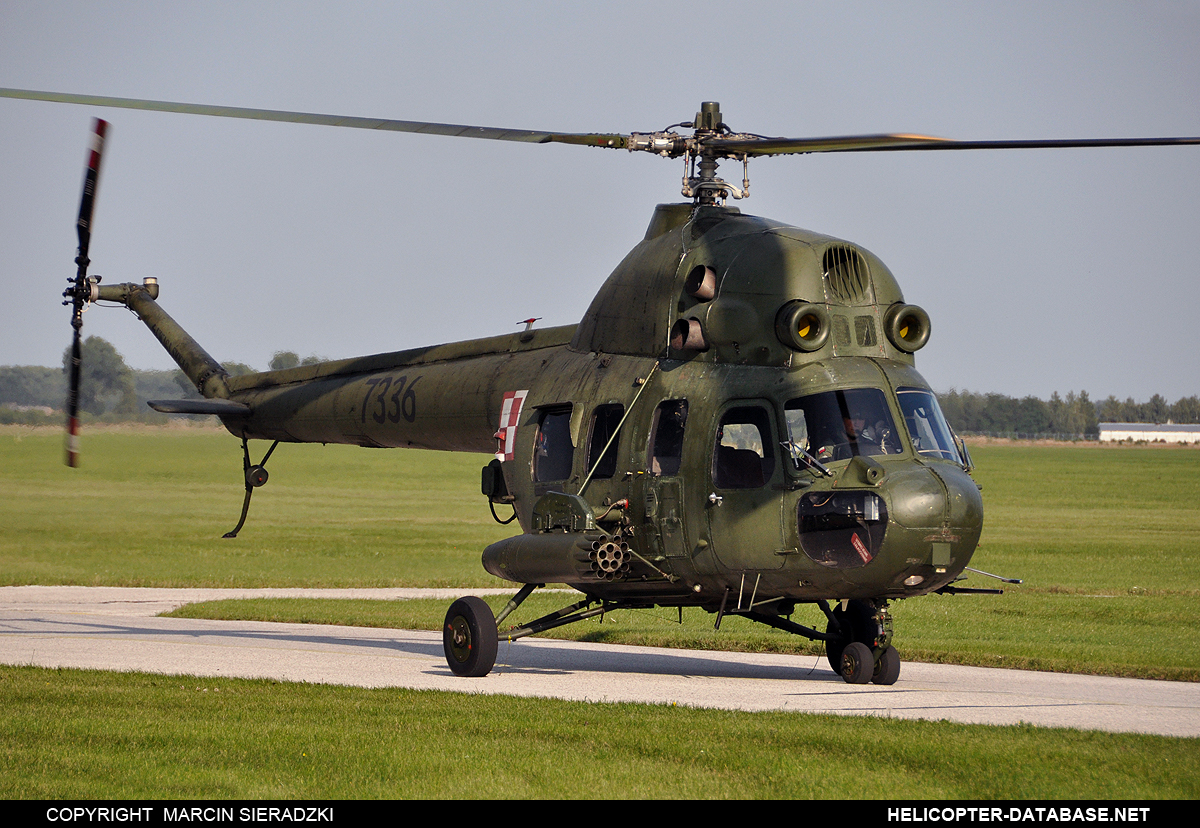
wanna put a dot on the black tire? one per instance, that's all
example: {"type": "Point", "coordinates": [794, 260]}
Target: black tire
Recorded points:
{"type": "Point", "coordinates": [469, 637]}
{"type": "Point", "coordinates": [857, 663]}
{"type": "Point", "coordinates": [857, 623]}
{"type": "Point", "coordinates": [887, 668]}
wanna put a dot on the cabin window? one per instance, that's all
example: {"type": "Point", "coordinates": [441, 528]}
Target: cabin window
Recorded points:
{"type": "Point", "coordinates": [838, 425]}
{"type": "Point", "coordinates": [605, 420]}
{"type": "Point", "coordinates": [744, 458]}
{"type": "Point", "coordinates": [553, 450]}
{"type": "Point", "coordinates": [926, 425]}
{"type": "Point", "coordinates": [666, 441]}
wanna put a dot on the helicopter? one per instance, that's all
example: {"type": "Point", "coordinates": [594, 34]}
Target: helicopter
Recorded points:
{"type": "Point", "coordinates": [736, 424]}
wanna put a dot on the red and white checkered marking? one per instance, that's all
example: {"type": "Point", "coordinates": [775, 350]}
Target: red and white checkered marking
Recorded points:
{"type": "Point", "coordinates": [510, 415]}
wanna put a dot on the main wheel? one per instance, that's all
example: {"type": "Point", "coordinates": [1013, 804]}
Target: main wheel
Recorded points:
{"type": "Point", "coordinates": [469, 637]}
{"type": "Point", "coordinates": [887, 668]}
{"type": "Point", "coordinates": [857, 623]}
{"type": "Point", "coordinates": [857, 663]}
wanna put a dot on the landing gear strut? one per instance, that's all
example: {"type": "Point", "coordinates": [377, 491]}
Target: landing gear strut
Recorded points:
{"type": "Point", "coordinates": [256, 477]}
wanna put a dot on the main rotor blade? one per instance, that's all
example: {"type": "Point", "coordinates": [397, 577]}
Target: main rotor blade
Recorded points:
{"type": "Point", "coordinates": [422, 127]}
{"type": "Point", "coordinates": [838, 143]}
{"type": "Point", "coordinates": [903, 143]}
{"type": "Point", "coordinates": [753, 146]}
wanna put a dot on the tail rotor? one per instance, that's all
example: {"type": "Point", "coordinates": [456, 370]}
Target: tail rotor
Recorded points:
{"type": "Point", "coordinates": [81, 287]}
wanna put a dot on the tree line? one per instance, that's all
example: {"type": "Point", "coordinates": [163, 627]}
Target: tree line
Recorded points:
{"type": "Point", "coordinates": [108, 388]}
{"type": "Point", "coordinates": [1075, 414]}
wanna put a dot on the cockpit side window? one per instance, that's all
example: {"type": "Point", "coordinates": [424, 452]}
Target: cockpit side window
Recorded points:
{"type": "Point", "coordinates": [743, 458]}
{"type": "Point", "coordinates": [553, 451]}
{"type": "Point", "coordinates": [666, 441]}
{"type": "Point", "coordinates": [838, 425]}
{"type": "Point", "coordinates": [605, 420]}
{"type": "Point", "coordinates": [926, 425]}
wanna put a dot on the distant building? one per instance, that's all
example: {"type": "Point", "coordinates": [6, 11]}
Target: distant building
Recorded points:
{"type": "Point", "coordinates": [1150, 432]}
{"type": "Point", "coordinates": [43, 409]}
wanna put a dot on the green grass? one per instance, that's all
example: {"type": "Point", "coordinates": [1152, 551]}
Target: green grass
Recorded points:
{"type": "Point", "coordinates": [148, 508]}
{"type": "Point", "coordinates": [1114, 520]}
{"type": "Point", "coordinates": [78, 734]}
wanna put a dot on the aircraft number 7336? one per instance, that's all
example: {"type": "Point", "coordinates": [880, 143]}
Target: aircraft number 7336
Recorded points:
{"type": "Point", "coordinates": [403, 402]}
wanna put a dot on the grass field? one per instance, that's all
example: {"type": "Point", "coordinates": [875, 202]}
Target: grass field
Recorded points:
{"type": "Point", "coordinates": [139, 736]}
{"type": "Point", "coordinates": [148, 507]}
{"type": "Point", "coordinates": [1108, 541]}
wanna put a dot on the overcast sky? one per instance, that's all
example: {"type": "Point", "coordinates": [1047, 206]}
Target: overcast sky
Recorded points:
{"type": "Point", "coordinates": [1042, 270]}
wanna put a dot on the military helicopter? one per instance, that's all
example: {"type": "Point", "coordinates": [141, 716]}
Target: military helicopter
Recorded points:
{"type": "Point", "coordinates": [736, 424]}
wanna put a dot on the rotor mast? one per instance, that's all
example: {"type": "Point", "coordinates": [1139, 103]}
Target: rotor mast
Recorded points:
{"type": "Point", "coordinates": [700, 155]}
{"type": "Point", "coordinates": [700, 181]}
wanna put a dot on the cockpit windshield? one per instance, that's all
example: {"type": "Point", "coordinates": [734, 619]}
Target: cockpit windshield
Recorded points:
{"type": "Point", "coordinates": [926, 425]}
{"type": "Point", "coordinates": [838, 425]}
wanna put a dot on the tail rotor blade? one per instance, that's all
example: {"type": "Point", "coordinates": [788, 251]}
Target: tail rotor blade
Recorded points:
{"type": "Point", "coordinates": [73, 402]}
{"type": "Point", "coordinates": [80, 292]}
{"type": "Point", "coordinates": [90, 180]}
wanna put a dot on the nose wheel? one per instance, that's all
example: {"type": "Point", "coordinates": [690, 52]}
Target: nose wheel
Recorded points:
{"type": "Point", "coordinates": [858, 648]}
{"type": "Point", "coordinates": [856, 663]}
{"type": "Point", "coordinates": [887, 667]}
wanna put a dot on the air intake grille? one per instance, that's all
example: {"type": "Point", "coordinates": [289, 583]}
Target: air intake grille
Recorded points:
{"type": "Point", "coordinates": [864, 331]}
{"type": "Point", "coordinates": [846, 274]}
{"type": "Point", "coordinates": [841, 331]}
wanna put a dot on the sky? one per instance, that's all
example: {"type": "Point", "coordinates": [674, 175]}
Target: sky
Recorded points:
{"type": "Point", "coordinates": [1042, 270]}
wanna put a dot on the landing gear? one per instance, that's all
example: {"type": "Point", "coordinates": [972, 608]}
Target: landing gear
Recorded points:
{"type": "Point", "coordinates": [856, 664]}
{"type": "Point", "coordinates": [857, 639]}
{"type": "Point", "coordinates": [862, 623]}
{"type": "Point", "coordinates": [887, 667]}
{"type": "Point", "coordinates": [469, 637]}
{"type": "Point", "coordinates": [256, 477]}
{"type": "Point", "coordinates": [854, 623]}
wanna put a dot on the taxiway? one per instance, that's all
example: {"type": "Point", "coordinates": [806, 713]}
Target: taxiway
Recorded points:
{"type": "Point", "coordinates": [119, 629]}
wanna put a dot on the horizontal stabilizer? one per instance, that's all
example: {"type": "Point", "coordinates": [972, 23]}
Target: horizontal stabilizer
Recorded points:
{"type": "Point", "coordinates": [222, 408]}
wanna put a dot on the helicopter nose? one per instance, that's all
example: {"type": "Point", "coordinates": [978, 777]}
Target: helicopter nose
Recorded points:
{"type": "Point", "coordinates": [932, 497]}
{"type": "Point", "coordinates": [964, 502]}
{"type": "Point", "coordinates": [937, 514]}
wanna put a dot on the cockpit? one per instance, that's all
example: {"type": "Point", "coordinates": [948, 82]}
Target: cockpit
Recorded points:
{"type": "Point", "coordinates": [840, 517]}
{"type": "Point", "coordinates": [841, 424]}
{"type": "Point", "coordinates": [826, 427]}
{"type": "Point", "coordinates": [838, 425]}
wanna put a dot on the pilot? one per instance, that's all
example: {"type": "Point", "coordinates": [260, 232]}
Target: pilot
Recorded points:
{"type": "Point", "coordinates": [834, 442]}
{"type": "Point", "coordinates": [875, 438]}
